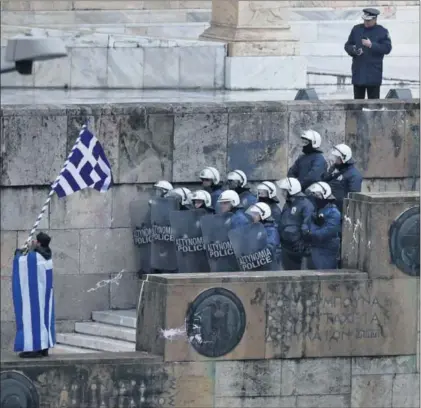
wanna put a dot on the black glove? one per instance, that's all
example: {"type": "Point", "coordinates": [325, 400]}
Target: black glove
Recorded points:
{"type": "Point", "coordinates": [319, 220]}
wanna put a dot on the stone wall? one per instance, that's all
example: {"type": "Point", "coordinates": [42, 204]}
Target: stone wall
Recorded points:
{"type": "Point", "coordinates": [91, 231]}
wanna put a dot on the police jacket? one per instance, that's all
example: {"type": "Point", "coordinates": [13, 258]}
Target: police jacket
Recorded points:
{"type": "Point", "coordinates": [295, 218]}
{"type": "Point", "coordinates": [273, 234]}
{"type": "Point", "coordinates": [246, 196]}
{"type": "Point", "coordinates": [239, 218]}
{"type": "Point", "coordinates": [326, 235]}
{"type": "Point", "coordinates": [367, 68]}
{"type": "Point", "coordinates": [215, 192]}
{"type": "Point", "coordinates": [308, 168]}
{"type": "Point", "coordinates": [343, 180]}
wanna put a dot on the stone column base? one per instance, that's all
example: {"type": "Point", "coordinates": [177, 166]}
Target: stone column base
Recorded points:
{"type": "Point", "coordinates": [286, 72]}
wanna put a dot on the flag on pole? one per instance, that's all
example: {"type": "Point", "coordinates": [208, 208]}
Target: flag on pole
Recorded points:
{"type": "Point", "coordinates": [87, 166]}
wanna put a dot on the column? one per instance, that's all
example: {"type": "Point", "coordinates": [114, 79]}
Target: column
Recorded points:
{"type": "Point", "coordinates": [262, 53]}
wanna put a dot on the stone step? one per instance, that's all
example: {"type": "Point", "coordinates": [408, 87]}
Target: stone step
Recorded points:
{"type": "Point", "coordinates": [125, 318]}
{"type": "Point", "coordinates": [63, 349]}
{"type": "Point", "coordinates": [106, 330]}
{"type": "Point", "coordinates": [94, 342]}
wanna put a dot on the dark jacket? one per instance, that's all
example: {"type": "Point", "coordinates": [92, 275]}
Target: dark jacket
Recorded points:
{"type": "Point", "coordinates": [215, 192]}
{"type": "Point", "coordinates": [325, 239]}
{"type": "Point", "coordinates": [367, 69]}
{"type": "Point", "coordinates": [308, 168]}
{"type": "Point", "coordinates": [343, 180]}
{"type": "Point", "coordinates": [247, 197]}
{"type": "Point", "coordinates": [45, 252]}
{"type": "Point", "coordinates": [239, 218]}
{"type": "Point", "coordinates": [295, 218]}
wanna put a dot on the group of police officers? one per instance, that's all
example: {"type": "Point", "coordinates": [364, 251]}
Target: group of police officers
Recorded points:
{"type": "Point", "coordinates": [308, 226]}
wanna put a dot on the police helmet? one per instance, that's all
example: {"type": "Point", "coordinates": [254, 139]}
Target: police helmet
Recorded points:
{"type": "Point", "coordinates": [289, 184]}
{"type": "Point", "coordinates": [321, 190]}
{"type": "Point", "coordinates": [202, 195]}
{"type": "Point", "coordinates": [237, 176]}
{"type": "Point", "coordinates": [229, 196]}
{"type": "Point", "coordinates": [262, 209]}
{"type": "Point", "coordinates": [164, 185]}
{"type": "Point", "coordinates": [312, 137]}
{"type": "Point", "coordinates": [266, 189]}
{"type": "Point", "coordinates": [210, 173]}
{"type": "Point", "coordinates": [342, 151]}
{"type": "Point", "coordinates": [183, 193]}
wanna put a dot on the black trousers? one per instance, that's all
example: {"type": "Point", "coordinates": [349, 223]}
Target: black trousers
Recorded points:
{"type": "Point", "coordinates": [373, 91]}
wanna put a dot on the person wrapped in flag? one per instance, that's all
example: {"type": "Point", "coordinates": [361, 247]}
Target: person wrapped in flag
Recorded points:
{"type": "Point", "coordinates": [33, 297]}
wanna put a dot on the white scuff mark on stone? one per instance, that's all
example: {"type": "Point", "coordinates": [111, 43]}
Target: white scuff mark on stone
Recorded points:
{"type": "Point", "coordinates": [171, 334]}
{"type": "Point", "coordinates": [373, 110]}
{"type": "Point", "coordinates": [106, 282]}
{"type": "Point", "coordinates": [354, 233]}
{"type": "Point", "coordinates": [369, 244]}
{"type": "Point", "coordinates": [348, 220]}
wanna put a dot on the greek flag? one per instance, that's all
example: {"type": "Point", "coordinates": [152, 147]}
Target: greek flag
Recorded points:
{"type": "Point", "coordinates": [87, 166]}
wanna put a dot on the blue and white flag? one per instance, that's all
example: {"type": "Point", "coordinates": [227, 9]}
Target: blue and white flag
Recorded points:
{"type": "Point", "coordinates": [33, 299]}
{"type": "Point", "coordinates": [87, 166]}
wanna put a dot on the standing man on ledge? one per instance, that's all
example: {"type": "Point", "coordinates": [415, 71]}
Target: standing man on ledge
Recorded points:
{"type": "Point", "coordinates": [367, 44]}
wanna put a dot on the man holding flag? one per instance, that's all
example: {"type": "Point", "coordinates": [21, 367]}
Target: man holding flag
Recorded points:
{"type": "Point", "coordinates": [33, 293]}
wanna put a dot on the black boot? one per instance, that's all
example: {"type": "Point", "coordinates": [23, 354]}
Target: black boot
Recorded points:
{"type": "Point", "coordinates": [44, 352]}
{"type": "Point", "coordinates": [30, 354]}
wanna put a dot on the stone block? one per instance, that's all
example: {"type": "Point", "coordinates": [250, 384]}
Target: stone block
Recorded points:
{"type": "Point", "coordinates": [412, 143]}
{"type": "Point", "coordinates": [14, 79]}
{"type": "Point", "coordinates": [255, 402]}
{"type": "Point", "coordinates": [374, 391]}
{"type": "Point", "coordinates": [257, 144]}
{"type": "Point", "coordinates": [33, 152]}
{"type": "Point", "coordinates": [349, 317]}
{"type": "Point", "coordinates": [366, 229]}
{"type": "Point", "coordinates": [88, 67]}
{"type": "Point", "coordinates": [200, 140]}
{"type": "Point", "coordinates": [384, 365]}
{"type": "Point", "coordinates": [53, 74]}
{"type": "Point", "coordinates": [146, 145]}
{"type": "Point", "coordinates": [377, 140]}
{"type": "Point", "coordinates": [65, 246]}
{"type": "Point", "coordinates": [124, 293]}
{"type": "Point", "coordinates": [125, 68]}
{"type": "Point", "coordinates": [7, 310]}
{"type": "Point", "coordinates": [106, 251]}
{"type": "Point", "coordinates": [316, 377]}
{"type": "Point", "coordinates": [406, 391]}
{"type": "Point", "coordinates": [122, 196]}
{"type": "Point", "coordinates": [20, 208]}
{"type": "Point", "coordinates": [161, 69]}
{"type": "Point", "coordinates": [220, 54]}
{"type": "Point", "coordinates": [7, 335]}
{"type": "Point", "coordinates": [73, 299]}
{"type": "Point", "coordinates": [197, 67]}
{"type": "Point", "coordinates": [329, 123]}
{"type": "Point", "coordinates": [323, 401]}
{"type": "Point", "coordinates": [85, 209]}
{"type": "Point", "coordinates": [8, 245]}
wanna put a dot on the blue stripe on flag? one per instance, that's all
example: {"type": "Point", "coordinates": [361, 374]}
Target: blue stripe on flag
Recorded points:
{"type": "Point", "coordinates": [17, 302]}
{"type": "Point", "coordinates": [48, 289]}
{"type": "Point", "coordinates": [72, 182]}
{"type": "Point", "coordinates": [53, 318]}
{"type": "Point", "coordinates": [34, 300]}
{"type": "Point", "coordinates": [85, 173]}
{"type": "Point", "coordinates": [76, 157]}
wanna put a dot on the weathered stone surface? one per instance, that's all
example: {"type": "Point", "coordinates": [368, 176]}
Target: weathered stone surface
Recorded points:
{"type": "Point", "coordinates": [7, 311]}
{"type": "Point", "coordinates": [316, 377]}
{"type": "Point", "coordinates": [85, 209]}
{"type": "Point", "coordinates": [257, 144]}
{"type": "Point", "coordinates": [325, 401]}
{"type": "Point", "coordinates": [377, 141]}
{"type": "Point", "coordinates": [33, 149]}
{"type": "Point", "coordinates": [73, 299]}
{"type": "Point", "coordinates": [406, 391]}
{"type": "Point", "coordinates": [384, 365]}
{"type": "Point", "coordinates": [7, 335]}
{"type": "Point", "coordinates": [383, 185]}
{"type": "Point", "coordinates": [146, 144]}
{"type": "Point", "coordinates": [20, 208]}
{"type": "Point", "coordinates": [106, 251]}
{"type": "Point", "coordinates": [66, 248]}
{"type": "Point", "coordinates": [124, 293]}
{"type": "Point", "coordinates": [8, 245]}
{"type": "Point", "coordinates": [412, 143]}
{"type": "Point", "coordinates": [255, 402]}
{"type": "Point", "coordinates": [374, 391]}
{"type": "Point", "coordinates": [199, 141]}
{"type": "Point", "coordinates": [329, 123]}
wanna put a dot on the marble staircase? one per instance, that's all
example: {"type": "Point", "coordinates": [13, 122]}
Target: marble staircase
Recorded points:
{"type": "Point", "coordinates": [111, 331]}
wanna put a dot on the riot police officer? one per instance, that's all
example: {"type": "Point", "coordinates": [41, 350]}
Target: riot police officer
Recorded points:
{"type": "Point", "coordinates": [202, 199]}
{"type": "Point", "coordinates": [184, 194]}
{"type": "Point", "coordinates": [266, 193]}
{"type": "Point", "coordinates": [237, 181]}
{"type": "Point", "coordinates": [343, 177]}
{"type": "Point", "coordinates": [261, 212]}
{"type": "Point", "coordinates": [229, 201]}
{"type": "Point", "coordinates": [324, 230]}
{"type": "Point", "coordinates": [211, 182]}
{"type": "Point", "coordinates": [162, 187]}
{"type": "Point", "coordinates": [310, 166]}
{"type": "Point", "coordinates": [295, 218]}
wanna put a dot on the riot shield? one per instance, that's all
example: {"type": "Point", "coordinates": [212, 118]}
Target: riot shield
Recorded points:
{"type": "Point", "coordinates": [140, 218]}
{"type": "Point", "coordinates": [163, 256]}
{"type": "Point", "coordinates": [219, 251]}
{"type": "Point", "coordinates": [190, 252]}
{"type": "Point", "coordinates": [251, 248]}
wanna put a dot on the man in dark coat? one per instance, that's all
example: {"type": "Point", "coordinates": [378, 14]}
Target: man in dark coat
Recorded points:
{"type": "Point", "coordinates": [367, 44]}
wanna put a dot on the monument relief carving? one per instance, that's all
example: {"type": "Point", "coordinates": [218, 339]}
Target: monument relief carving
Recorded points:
{"type": "Point", "coordinates": [17, 390]}
{"type": "Point", "coordinates": [216, 322]}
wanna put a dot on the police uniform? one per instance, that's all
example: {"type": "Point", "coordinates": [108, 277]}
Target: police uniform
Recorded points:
{"type": "Point", "coordinates": [367, 62]}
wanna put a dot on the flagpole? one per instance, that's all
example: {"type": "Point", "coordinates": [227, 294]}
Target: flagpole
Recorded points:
{"type": "Point", "coordinates": [50, 195]}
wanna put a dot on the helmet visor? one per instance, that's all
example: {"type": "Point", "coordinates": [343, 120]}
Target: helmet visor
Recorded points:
{"type": "Point", "coordinates": [305, 142]}
{"type": "Point", "coordinates": [262, 193]}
